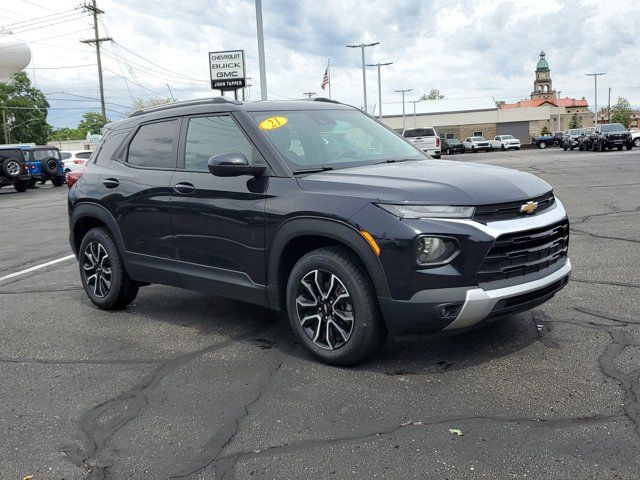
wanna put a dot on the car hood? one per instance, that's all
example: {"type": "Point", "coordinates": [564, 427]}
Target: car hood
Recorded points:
{"type": "Point", "coordinates": [429, 181]}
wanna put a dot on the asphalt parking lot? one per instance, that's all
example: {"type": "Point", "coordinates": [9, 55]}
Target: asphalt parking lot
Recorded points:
{"type": "Point", "coordinates": [186, 385]}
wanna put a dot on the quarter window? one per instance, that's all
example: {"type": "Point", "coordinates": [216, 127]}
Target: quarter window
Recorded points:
{"type": "Point", "coordinates": [108, 148]}
{"type": "Point", "coordinates": [208, 136]}
{"type": "Point", "coordinates": [154, 145]}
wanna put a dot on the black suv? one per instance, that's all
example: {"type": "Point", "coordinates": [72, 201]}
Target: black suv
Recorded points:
{"type": "Point", "coordinates": [316, 209]}
{"type": "Point", "coordinates": [611, 135]}
{"type": "Point", "coordinates": [451, 146]}
{"type": "Point", "coordinates": [13, 169]}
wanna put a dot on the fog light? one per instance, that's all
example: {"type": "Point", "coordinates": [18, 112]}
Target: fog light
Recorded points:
{"type": "Point", "coordinates": [433, 250]}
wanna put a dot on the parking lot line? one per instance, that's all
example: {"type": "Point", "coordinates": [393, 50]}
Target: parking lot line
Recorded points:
{"type": "Point", "coordinates": [37, 267]}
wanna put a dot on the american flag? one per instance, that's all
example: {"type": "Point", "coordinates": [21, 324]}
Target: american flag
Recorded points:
{"type": "Point", "coordinates": [325, 78]}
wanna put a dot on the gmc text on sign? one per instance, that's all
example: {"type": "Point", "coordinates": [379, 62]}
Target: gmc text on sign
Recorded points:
{"type": "Point", "coordinates": [227, 70]}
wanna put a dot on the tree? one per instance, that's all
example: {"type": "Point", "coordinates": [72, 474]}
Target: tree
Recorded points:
{"type": "Point", "coordinates": [434, 94]}
{"type": "Point", "coordinates": [92, 122]}
{"type": "Point", "coordinates": [66, 133]}
{"type": "Point", "coordinates": [26, 110]}
{"type": "Point", "coordinates": [621, 112]}
{"type": "Point", "coordinates": [575, 122]}
{"type": "Point", "coordinates": [499, 103]}
{"type": "Point", "coordinates": [545, 131]}
{"type": "Point", "coordinates": [142, 103]}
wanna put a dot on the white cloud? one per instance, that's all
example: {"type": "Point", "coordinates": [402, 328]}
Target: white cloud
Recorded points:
{"type": "Point", "coordinates": [466, 48]}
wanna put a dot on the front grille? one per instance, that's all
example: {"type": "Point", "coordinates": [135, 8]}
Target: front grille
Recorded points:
{"type": "Point", "coordinates": [510, 210]}
{"type": "Point", "coordinates": [523, 253]}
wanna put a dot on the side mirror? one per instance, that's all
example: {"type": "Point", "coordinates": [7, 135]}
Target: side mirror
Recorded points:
{"type": "Point", "coordinates": [233, 164]}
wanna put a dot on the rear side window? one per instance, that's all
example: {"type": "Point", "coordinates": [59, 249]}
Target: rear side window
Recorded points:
{"type": "Point", "coordinates": [65, 155]}
{"type": "Point", "coordinates": [108, 148]}
{"type": "Point", "coordinates": [83, 155]}
{"type": "Point", "coordinates": [208, 136]}
{"type": "Point", "coordinates": [154, 145]}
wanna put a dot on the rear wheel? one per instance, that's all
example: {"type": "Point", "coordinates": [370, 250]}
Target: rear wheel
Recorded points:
{"type": "Point", "coordinates": [332, 307]}
{"type": "Point", "coordinates": [102, 272]}
{"type": "Point", "coordinates": [57, 181]}
{"type": "Point", "coordinates": [542, 145]}
{"type": "Point", "coordinates": [636, 142]}
{"type": "Point", "coordinates": [21, 186]}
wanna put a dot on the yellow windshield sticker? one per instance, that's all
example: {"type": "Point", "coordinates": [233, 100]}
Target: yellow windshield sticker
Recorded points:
{"type": "Point", "coordinates": [272, 123]}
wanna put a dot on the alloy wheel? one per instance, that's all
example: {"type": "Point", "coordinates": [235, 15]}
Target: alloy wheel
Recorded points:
{"type": "Point", "coordinates": [325, 309]}
{"type": "Point", "coordinates": [97, 269]}
{"type": "Point", "coordinates": [13, 168]}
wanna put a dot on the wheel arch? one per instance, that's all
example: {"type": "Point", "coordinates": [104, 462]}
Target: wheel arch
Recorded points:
{"type": "Point", "coordinates": [298, 236]}
{"type": "Point", "coordinates": [86, 216]}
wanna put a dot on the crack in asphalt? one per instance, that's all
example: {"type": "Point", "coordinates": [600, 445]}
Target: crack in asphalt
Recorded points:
{"type": "Point", "coordinates": [606, 237]}
{"type": "Point", "coordinates": [210, 454]}
{"type": "Point", "coordinates": [53, 290]}
{"type": "Point", "coordinates": [585, 218]}
{"type": "Point", "coordinates": [605, 282]}
{"type": "Point", "coordinates": [45, 361]}
{"type": "Point", "coordinates": [620, 339]}
{"type": "Point", "coordinates": [93, 433]}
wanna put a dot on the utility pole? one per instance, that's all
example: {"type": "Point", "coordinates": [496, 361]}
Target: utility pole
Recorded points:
{"type": "Point", "coordinates": [362, 46]}
{"type": "Point", "coordinates": [379, 85]}
{"type": "Point", "coordinates": [97, 41]}
{"type": "Point", "coordinates": [5, 126]}
{"type": "Point", "coordinates": [263, 72]}
{"type": "Point", "coordinates": [403, 91]}
{"type": "Point", "coordinates": [559, 126]}
{"type": "Point", "coordinates": [414, 111]}
{"type": "Point", "coordinates": [595, 82]}
{"type": "Point", "coordinates": [609, 108]}
{"type": "Point", "coordinates": [309, 94]}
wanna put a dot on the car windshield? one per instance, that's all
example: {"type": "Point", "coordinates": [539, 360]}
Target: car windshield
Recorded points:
{"type": "Point", "coordinates": [477, 139]}
{"type": "Point", "coordinates": [419, 132]}
{"type": "Point", "coordinates": [614, 127]}
{"type": "Point", "coordinates": [43, 153]}
{"type": "Point", "coordinates": [574, 131]}
{"type": "Point", "coordinates": [314, 139]}
{"type": "Point", "coordinates": [507, 137]}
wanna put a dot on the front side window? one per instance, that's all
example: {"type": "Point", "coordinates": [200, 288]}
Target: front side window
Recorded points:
{"type": "Point", "coordinates": [332, 138]}
{"type": "Point", "coordinates": [208, 136]}
{"type": "Point", "coordinates": [154, 145]}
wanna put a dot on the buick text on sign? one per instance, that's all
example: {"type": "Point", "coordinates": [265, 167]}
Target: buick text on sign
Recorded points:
{"type": "Point", "coordinates": [227, 69]}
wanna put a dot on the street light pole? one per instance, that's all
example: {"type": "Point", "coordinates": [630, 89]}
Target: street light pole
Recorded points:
{"type": "Point", "coordinates": [595, 83]}
{"type": "Point", "coordinates": [362, 46]}
{"type": "Point", "coordinates": [403, 91]}
{"type": "Point", "coordinates": [379, 85]}
{"type": "Point", "coordinates": [414, 111]}
{"type": "Point", "coordinates": [263, 72]}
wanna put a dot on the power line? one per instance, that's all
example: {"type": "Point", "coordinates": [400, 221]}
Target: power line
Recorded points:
{"type": "Point", "coordinates": [77, 16]}
{"type": "Point", "coordinates": [66, 66]}
{"type": "Point", "coordinates": [35, 19]}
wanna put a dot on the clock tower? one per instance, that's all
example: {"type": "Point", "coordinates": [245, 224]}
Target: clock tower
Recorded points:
{"type": "Point", "coordinates": [542, 86]}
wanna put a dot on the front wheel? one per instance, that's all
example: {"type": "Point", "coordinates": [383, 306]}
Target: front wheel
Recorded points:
{"type": "Point", "coordinates": [542, 145]}
{"type": "Point", "coordinates": [21, 186]}
{"type": "Point", "coordinates": [332, 307]}
{"type": "Point", "coordinates": [502, 147]}
{"type": "Point", "coordinates": [102, 271]}
{"type": "Point", "coordinates": [57, 181]}
{"type": "Point", "coordinates": [636, 142]}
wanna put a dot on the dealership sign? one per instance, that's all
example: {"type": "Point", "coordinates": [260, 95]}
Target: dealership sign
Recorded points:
{"type": "Point", "coordinates": [227, 70]}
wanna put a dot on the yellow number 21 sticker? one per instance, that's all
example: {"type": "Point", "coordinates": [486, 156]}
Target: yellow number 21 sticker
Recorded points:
{"type": "Point", "coordinates": [272, 123]}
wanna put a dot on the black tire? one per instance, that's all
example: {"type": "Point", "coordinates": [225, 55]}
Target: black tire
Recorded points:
{"type": "Point", "coordinates": [50, 166]}
{"type": "Point", "coordinates": [636, 143]}
{"type": "Point", "coordinates": [565, 148]}
{"type": "Point", "coordinates": [367, 330]}
{"type": "Point", "coordinates": [42, 181]}
{"type": "Point", "coordinates": [619, 147]}
{"type": "Point", "coordinates": [122, 290]}
{"type": "Point", "coordinates": [542, 145]}
{"type": "Point", "coordinates": [502, 147]}
{"type": "Point", "coordinates": [31, 182]}
{"type": "Point", "coordinates": [21, 186]}
{"type": "Point", "coordinates": [436, 156]}
{"type": "Point", "coordinates": [58, 181]}
{"type": "Point", "coordinates": [572, 148]}
{"type": "Point", "coordinates": [629, 146]}
{"type": "Point", "coordinates": [603, 148]}
{"type": "Point", "coordinates": [11, 168]}
{"type": "Point", "coordinates": [450, 151]}
{"type": "Point", "coordinates": [517, 148]}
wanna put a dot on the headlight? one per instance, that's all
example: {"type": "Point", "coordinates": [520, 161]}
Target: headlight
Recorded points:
{"type": "Point", "coordinates": [428, 211]}
{"type": "Point", "coordinates": [430, 250]}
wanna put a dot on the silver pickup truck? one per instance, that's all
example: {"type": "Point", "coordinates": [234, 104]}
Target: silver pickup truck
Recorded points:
{"type": "Point", "coordinates": [424, 138]}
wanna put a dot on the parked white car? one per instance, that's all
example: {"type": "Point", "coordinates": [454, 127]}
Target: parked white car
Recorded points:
{"type": "Point", "coordinates": [424, 138]}
{"type": "Point", "coordinates": [74, 160]}
{"type": "Point", "coordinates": [505, 142]}
{"type": "Point", "coordinates": [475, 144]}
{"type": "Point", "coordinates": [635, 138]}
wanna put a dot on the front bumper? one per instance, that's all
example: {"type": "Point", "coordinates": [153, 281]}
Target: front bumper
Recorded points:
{"type": "Point", "coordinates": [459, 307]}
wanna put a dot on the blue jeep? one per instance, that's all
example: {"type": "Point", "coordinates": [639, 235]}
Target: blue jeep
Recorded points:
{"type": "Point", "coordinates": [45, 163]}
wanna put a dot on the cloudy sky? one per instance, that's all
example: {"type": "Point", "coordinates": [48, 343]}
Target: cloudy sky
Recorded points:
{"type": "Point", "coordinates": [465, 48]}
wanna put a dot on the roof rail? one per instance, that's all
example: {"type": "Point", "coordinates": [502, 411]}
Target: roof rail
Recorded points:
{"type": "Point", "coordinates": [326, 100]}
{"type": "Point", "coordinates": [186, 103]}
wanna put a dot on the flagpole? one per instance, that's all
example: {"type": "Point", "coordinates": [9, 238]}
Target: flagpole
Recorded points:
{"type": "Point", "coordinates": [329, 72]}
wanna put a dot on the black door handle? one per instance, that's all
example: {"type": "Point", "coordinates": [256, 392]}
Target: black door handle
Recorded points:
{"type": "Point", "coordinates": [184, 188]}
{"type": "Point", "coordinates": [110, 182]}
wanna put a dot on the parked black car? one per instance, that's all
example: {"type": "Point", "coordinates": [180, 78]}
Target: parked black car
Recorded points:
{"type": "Point", "coordinates": [611, 135]}
{"type": "Point", "coordinates": [13, 169]}
{"type": "Point", "coordinates": [244, 201]}
{"type": "Point", "coordinates": [452, 145]}
{"type": "Point", "coordinates": [584, 139]}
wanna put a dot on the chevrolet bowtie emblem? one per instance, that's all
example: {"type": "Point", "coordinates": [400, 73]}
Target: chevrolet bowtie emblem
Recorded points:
{"type": "Point", "coordinates": [529, 207]}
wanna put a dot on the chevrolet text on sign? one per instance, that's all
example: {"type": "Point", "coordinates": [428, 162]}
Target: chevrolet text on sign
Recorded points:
{"type": "Point", "coordinates": [227, 69]}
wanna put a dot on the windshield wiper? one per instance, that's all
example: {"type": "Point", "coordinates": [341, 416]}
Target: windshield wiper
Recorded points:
{"type": "Point", "coordinates": [312, 170]}
{"type": "Point", "coordinates": [397, 160]}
